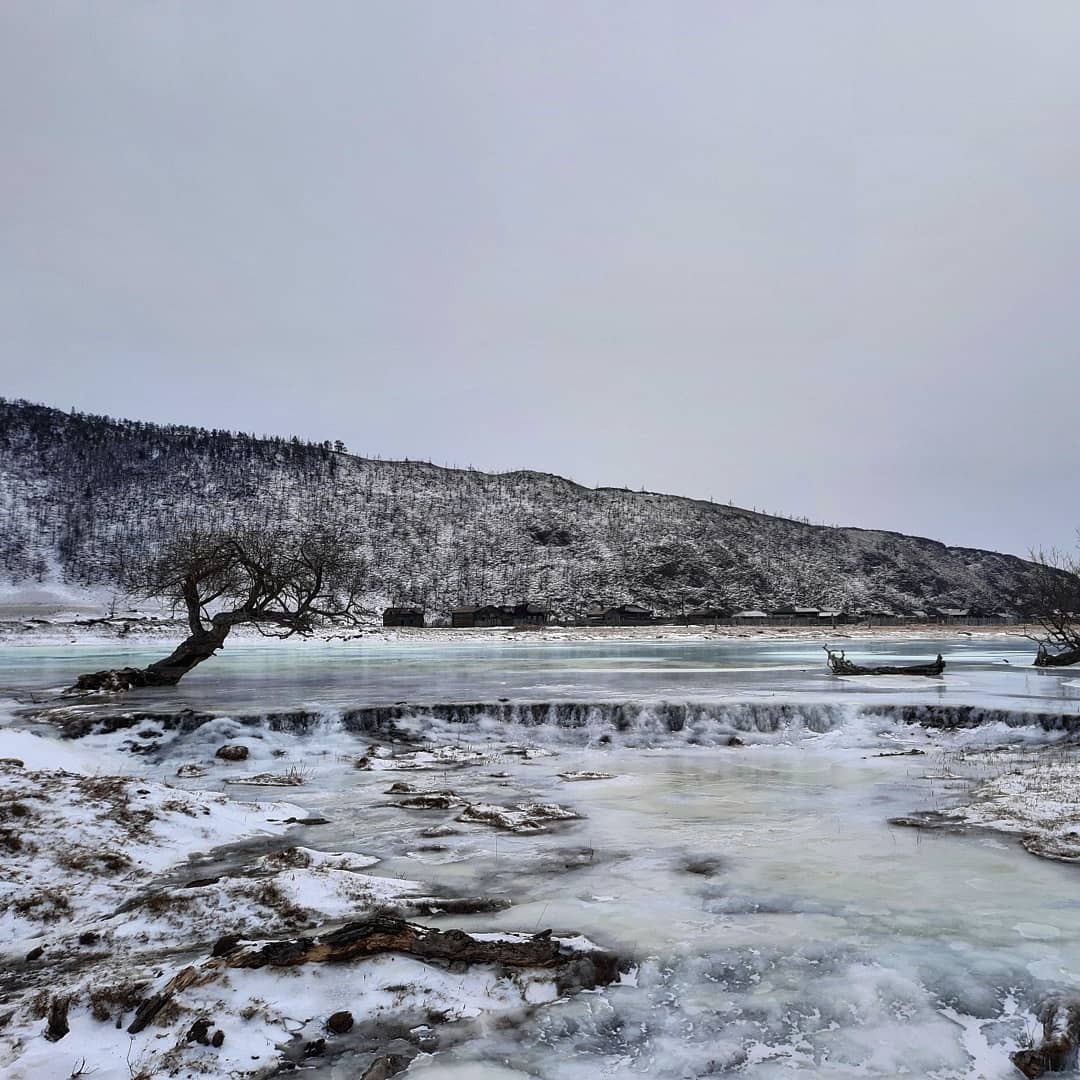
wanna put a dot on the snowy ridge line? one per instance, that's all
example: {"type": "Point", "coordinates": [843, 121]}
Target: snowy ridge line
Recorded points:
{"type": "Point", "coordinates": [697, 721]}
{"type": "Point", "coordinates": [81, 493]}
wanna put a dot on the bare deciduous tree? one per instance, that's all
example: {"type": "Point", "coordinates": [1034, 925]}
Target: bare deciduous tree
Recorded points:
{"type": "Point", "coordinates": [1056, 608]}
{"type": "Point", "coordinates": [284, 581]}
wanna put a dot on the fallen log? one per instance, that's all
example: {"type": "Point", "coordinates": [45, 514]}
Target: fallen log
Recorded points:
{"type": "Point", "coordinates": [153, 1005]}
{"type": "Point", "coordinates": [573, 968]}
{"type": "Point", "coordinates": [840, 665]}
{"type": "Point", "coordinates": [383, 933]}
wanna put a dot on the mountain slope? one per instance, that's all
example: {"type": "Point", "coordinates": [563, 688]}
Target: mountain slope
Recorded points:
{"type": "Point", "coordinates": [77, 492]}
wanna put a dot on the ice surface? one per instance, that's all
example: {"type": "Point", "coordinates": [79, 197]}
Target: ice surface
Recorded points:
{"type": "Point", "coordinates": [779, 925]}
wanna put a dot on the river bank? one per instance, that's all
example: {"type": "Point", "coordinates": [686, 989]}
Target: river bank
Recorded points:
{"type": "Point", "coordinates": [153, 930]}
{"type": "Point", "coordinates": [24, 626]}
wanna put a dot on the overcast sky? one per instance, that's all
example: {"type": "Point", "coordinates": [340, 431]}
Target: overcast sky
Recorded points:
{"type": "Point", "coordinates": [813, 257]}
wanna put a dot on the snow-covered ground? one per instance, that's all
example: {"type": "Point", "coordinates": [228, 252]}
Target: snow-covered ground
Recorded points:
{"type": "Point", "coordinates": [103, 906]}
{"type": "Point", "coordinates": [22, 625]}
{"type": "Point", "coordinates": [77, 845]}
{"type": "Point", "coordinates": [1029, 792]}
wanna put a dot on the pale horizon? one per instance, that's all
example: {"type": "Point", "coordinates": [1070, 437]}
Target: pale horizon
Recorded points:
{"type": "Point", "coordinates": [814, 260]}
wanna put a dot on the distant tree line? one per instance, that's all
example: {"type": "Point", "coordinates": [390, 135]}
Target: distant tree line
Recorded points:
{"type": "Point", "coordinates": [82, 497]}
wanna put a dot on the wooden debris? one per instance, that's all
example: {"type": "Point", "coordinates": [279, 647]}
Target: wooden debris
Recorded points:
{"type": "Point", "coordinates": [1058, 1049]}
{"type": "Point", "coordinates": [840, 665]}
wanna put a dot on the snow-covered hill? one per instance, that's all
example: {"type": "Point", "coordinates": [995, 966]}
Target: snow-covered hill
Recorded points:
{"type": "Point", "coordinates": [78, 492]}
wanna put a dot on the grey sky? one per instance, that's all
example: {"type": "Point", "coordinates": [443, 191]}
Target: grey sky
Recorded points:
{"type": "Point", "coordinates": [814, 257]}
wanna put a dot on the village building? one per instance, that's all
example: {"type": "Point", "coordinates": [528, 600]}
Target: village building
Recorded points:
{"type": "Point", "coordinates": [703, 615]}
{"type": "Point", "coordinates": [493, 615]}
{"type": "Point", "coordinates": [952, 615]}
{"type": "Point", "coordinates": [403, 616]}
{"type": "Point", "coordinates": [784, 611]}
{"type": "Point", "coordinates": [526, 614]}
{"type": "Point", "coordinates": [621, 615]}
{"type": "Point", "coordinates": [489, 615]}
{"type": "Point", "coordinates": [463, 616]}
{"type": "Point", "coordinates": [751, 616]}
{"type": "Point", "coordinates": [875, 615]}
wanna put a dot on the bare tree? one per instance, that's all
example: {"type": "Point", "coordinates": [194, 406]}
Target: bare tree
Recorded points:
{"type": "Point", "coordinates": [284, 581]}
{"type": "Point", "coordinates": [1056, 608]}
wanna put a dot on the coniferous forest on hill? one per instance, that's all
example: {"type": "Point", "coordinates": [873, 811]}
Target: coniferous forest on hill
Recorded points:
{"type": "Point", "coordinates": [81, 495]}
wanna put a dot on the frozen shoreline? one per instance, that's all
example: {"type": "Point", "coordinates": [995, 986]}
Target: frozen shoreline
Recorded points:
{"type": "Point", "coordinates": [126, 957]}
{"type": "Point", "coordinates": [167, 632]}
{"type": "Point", "coordinates": [1030, 794]}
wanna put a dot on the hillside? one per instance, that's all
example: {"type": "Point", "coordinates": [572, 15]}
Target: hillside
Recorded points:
{"type": "Point", "coordinates": [77, 492]}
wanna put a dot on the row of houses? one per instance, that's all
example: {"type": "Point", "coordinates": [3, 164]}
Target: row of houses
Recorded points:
{"type": "Point", "coordinates": [531, 614]}
{"type": "Point", "coordinates": [809, 616]}
{"type": "Point", "coordinates": [523, 614]}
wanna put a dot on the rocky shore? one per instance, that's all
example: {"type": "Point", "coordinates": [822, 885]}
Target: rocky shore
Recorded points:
{"type": "Point", "coordinates": [132, 951]}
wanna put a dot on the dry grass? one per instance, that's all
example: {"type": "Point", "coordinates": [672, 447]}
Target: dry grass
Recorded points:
{"type": "Point", "coordinates": [107, 1000]}
{"type": "Point", "coordinates": [269, 895]}
{"type": "Point", "coordinates": [96, 863]}
{"type": "Point", "coordinates": [1031, 790]}
{"type": "Point", "coordinates": [43, 905]}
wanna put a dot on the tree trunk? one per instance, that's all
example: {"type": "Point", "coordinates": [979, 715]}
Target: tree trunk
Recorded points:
{"type": "Point", "coordinates": [1061, 659]}
{"type": "Point", "coordinates": [189, 653]}
{"type": "Point", "coordinates": [1057, 1050]}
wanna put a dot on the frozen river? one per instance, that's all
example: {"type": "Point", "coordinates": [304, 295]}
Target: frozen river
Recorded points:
{"type": "Point", "coordinates": [250, 675]}
{"type": "Point", "coordinates": [779, 925]}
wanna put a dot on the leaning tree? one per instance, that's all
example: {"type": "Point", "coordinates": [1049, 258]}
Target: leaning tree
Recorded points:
{"type": "Point", "coordinates": [283, 580]}
{"type": "Point", "coordinates": [1055, 607]}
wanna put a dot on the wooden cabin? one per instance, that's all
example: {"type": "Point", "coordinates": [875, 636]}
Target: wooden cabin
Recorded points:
{"type": "Point", "coordinates": [403, 616]}
{"type": "Point", "coordinates": [464, 616]}
{"type": "Point", "coordinates": [492, 615]}
{"type": "Point", "coordinates": [526, 614]}
{"type": "Point", "coordinates": [834, 618]}
{"type": "Point", "coordinates": [872, 615]}
{"type": "Point", "coordinates": [751, 616]}
{"type": "Point", "coordinates": [703, 615]}
{"type": "Point", "coordinates": [482, 615]}
{"type": "Point", "coordinates": [621, 615]}
{"type": "Point", "coordinates": [952, 615]}
{"type": "Point", "coordinates": [784, 611]}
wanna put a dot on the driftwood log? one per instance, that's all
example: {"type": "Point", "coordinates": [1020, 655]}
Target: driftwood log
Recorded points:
{"type": "Point", "coordinates": [840, 665]}
{"type": "Point", "coordinates": [385, 934]}
{"type": "Point", "coordinates": [389, 934]}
